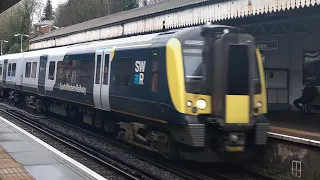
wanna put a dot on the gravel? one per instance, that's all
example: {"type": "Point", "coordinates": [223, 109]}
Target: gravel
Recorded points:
{"type": "Point", "coordinates": [108, 148]}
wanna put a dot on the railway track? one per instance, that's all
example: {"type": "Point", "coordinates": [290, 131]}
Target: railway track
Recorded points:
{"type": "Point", "coordinates": [136, 175]}
{"type": "Point", "coordinates": [184, 173]}
{"type": "Point", "coordinates": [92, 152]}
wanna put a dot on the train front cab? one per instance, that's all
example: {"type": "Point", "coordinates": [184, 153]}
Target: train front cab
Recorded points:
{"type": "Point", "coordinates": [224, 99]}
{"type": "Point", "coordinates": [235, 79]}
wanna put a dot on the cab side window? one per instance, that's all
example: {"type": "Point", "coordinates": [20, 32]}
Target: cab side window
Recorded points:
{"type": "Point", "coordinates": [154, 76]}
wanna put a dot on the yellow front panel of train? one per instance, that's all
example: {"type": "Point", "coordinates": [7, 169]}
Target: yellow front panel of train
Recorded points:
{"type": "Point", "coordinates": [237, 109]}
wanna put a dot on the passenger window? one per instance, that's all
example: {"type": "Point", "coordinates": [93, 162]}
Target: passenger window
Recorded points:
{"type": "Point", "coordinates": [52, 67]}
{"type": "Point", "coordinates": [98, 69]}
{"type": "Point", "coordinates": [124, 77]}
{"type": "Point", "coordinates": [13, 73]}
{"type": "Point", "coordinates": [34, 70]}
{"type": "Point", "coordinates": [61, 73]}
{"type": "Point", "coordinates": [0, 70]}
{"type": "Point", "coordinates": [155, 76]}
{"type": "Point", "coordinates": [106, 70]}
{"type": "Point", "coordinates": [28, 70]}
{"type": "Point", "coordinates": [122, 80]}
{"type": "Point", "coordinates": [9, 69]}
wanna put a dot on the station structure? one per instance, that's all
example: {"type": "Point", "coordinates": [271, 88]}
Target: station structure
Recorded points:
{"type": "Point", "coordinates": [6, 4]}
{"type": "Point", "coordinates": [285, 30]}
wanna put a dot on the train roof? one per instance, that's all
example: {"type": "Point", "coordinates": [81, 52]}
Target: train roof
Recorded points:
{"type": "Point", "coordinates": [49, 51]}
{"type": "Point", "coordinates": [183, 34]}
{"type": "Point", "coordinates": [12, 56]}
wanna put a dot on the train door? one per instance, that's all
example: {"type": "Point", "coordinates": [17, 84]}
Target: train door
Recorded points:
{"type": "Point", "coordinates": [42, 75]}
{"type": "Point", "coordinates": [101, 80]}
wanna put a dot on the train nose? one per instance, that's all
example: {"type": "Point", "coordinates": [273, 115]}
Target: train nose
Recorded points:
{"type": "Point", "coordinates": [229, 57]}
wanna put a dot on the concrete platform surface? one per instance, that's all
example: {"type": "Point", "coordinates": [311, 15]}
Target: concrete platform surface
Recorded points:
{"type": "Point", "coordinates": [295, 124]}
{"type": "Point", "coordinates": [36, 159]}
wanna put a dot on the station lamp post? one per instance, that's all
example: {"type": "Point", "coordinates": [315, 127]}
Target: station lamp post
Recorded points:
{"type": "Point", "coordinates": [21, 35]}
{"type": "Point", "coordinates": [2, 41]}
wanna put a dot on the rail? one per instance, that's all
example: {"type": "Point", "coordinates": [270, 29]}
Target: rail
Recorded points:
{"type": "Point", "coordinates": [83, 149]}
{"type": "Point", "coordinates": [184, 173]}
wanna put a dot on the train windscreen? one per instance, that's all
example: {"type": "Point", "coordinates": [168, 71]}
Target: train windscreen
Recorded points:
{"type": "Point", "coordinates": [238, 68]}
{"type": "Point", "coordinates": [193, 69]}
{"type": "Point", "coordinates": [238, 71]}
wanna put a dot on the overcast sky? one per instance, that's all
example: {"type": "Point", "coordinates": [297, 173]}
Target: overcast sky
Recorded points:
{"type": "Point", "coordinates": [55, 2]}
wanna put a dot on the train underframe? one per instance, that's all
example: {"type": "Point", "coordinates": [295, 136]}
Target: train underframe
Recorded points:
{"type": "Point", "coordinates": [194, 141]}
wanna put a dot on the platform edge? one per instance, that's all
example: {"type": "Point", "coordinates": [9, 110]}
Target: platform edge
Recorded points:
{"type": "Point", "coordinates": [54, 150]}
{"type": "Point", "coordinates": [294, 139]}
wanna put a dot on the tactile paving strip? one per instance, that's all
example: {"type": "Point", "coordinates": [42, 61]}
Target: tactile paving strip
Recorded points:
{"type": "Point", "coordinates": [10, 169]}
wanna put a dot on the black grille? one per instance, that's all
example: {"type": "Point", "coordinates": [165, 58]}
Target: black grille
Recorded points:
{"type": "Point", "coordinates": [261, 133]}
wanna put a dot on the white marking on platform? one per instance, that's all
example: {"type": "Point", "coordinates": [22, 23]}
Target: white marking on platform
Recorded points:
{"type": "Point", "coordinates": [72, 161]}
{"type": "Point", "coordinates": [295, 139]}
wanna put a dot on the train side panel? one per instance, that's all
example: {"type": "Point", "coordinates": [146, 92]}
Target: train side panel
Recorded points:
{"type": "Point", "coordinates": [139, 85]}
{"type": "Point", "coordinates": [74, 79]}
{"type": "Point", "coordinates": [51, 69]}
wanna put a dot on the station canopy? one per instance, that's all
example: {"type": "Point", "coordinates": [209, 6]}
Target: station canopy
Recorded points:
{"type": "Point", "coordinates": [168, 14]}
{"type": "Point", "coordinates": [6, 4]}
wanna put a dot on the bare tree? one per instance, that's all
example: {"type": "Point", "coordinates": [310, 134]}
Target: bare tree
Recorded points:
{"type": "Point", "coordinates": [77, 11]}
{"type": "Point", "coordinates": [148, 2]}
{"type": "Point", "coordinates": [39, 9]}
{"type": "Point", "coordinates": [17, 19]}
{"type": "Point", "coordinates": [144, 2]}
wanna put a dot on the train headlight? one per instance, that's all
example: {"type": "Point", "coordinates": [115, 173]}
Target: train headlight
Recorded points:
{"type": "Point", "coordinates": [189, 103]}
{"type": "Point", "coordinates": [201, 104]}
{"type": "Point", "coordinates": [259, 104]}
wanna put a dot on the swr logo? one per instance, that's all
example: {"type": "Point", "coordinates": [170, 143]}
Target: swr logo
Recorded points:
{"type": "Point", "coordinates": [140, 68]}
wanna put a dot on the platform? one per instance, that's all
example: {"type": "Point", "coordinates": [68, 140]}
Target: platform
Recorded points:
{"type": "Point", "coordinates": [295, 126]}
{"type": "Point", "coordinates": [23, 156]}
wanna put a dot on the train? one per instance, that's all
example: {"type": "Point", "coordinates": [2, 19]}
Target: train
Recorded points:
{"type": "Point", "coordinates": [195, 93]}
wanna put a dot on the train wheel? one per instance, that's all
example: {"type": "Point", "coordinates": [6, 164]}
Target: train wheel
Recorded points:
{"type": "Point", "coordinates": [39, 106]}
{"type": "Point", "coordinates": [170, 149]}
